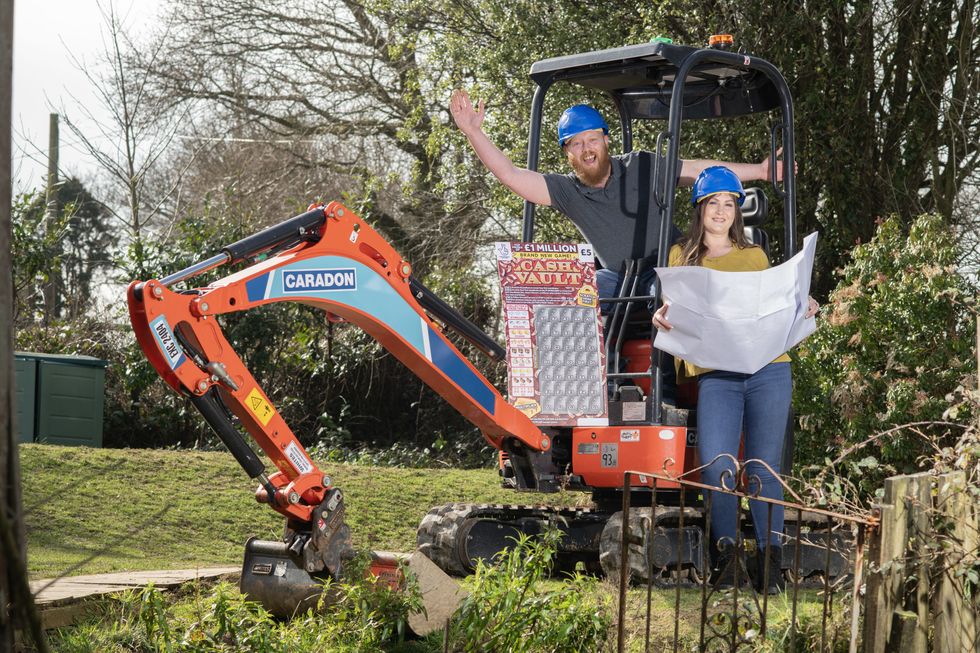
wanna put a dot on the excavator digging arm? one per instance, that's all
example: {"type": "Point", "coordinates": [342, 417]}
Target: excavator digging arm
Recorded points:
{"type": "Point", "coordinates": [329, 258]}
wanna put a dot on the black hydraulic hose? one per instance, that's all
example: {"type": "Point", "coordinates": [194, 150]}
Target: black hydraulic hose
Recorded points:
{"type": "Point", "coordinates": [452, 319]}
{"type": "Point", "coordinates": [292, 229]}
{"type": "Point", "coordinates": [288, 232]}
{"type": "Point", "coordinates": [219, 421]}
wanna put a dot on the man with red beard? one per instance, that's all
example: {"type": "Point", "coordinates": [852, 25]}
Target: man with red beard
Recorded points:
{"type": "Point", "coordinates": [609, 198]}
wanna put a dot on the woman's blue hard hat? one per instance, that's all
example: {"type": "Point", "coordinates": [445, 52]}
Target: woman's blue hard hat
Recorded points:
{"type": "Point", "coordinates": [717, 179]}
{"type": "Point", "coordinates": [577, 119]}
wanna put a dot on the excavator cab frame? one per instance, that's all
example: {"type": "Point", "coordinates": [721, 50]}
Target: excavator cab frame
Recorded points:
{"type": "Point", "coordinates": [672, 83]}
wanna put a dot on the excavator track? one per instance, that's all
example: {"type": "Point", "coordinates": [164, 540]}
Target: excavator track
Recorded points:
{"type": "Point", "coordinates": [670, 555]}
{"type": "Point", "coordinates": [436, 536]}
{"type": "Point", "coordinates": [455, 536]}
{"type": "Point", "coordinates": [815, 536]}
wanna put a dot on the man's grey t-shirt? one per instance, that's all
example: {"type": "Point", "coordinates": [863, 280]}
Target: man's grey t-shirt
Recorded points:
{"type": "Point", "coordinates": [620, 220]}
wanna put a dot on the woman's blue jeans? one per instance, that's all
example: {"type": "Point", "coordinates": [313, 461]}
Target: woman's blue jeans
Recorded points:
{"type": "Point", "coordinates": [759, 404]}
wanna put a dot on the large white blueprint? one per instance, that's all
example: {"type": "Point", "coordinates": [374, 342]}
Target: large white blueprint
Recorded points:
{"type": "Point", "coordinates": [737, 321]}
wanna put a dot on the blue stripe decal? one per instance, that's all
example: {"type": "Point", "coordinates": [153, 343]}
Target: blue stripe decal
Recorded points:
{"type": "Point", "coordinates": [256, 287]}
{"type": "Point", "coordinates": [453, 366]}
{"type": "Point", "coordinates": [374, 295]}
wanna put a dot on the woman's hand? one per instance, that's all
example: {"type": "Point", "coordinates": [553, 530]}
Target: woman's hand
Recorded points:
{"type": "Point", "coordinates": [811, 308]}
{"type": "Point", "coordinates": [660, 319]}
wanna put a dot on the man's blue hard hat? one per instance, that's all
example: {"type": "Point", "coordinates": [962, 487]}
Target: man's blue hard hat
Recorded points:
{"type": "Point", "coordinates": [717, 179]}
{"type": "Point", "coordinates": [578, 119]}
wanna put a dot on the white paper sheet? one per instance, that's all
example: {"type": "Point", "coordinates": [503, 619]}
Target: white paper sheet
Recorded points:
{"type": "Point", "coordinates": [737, 321]}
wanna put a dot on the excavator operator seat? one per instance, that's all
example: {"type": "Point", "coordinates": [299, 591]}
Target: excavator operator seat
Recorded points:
{"type": "Point", "coordinates": [754, 211]}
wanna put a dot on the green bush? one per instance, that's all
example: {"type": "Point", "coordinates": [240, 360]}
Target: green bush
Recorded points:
{"type": "Point", "coordinates": [893, 347]}
{"type": "Point", "coordinates": [511, 607]}
{"type": "Point", "coordinates": [507, 608]}
{"type": "Point", "coordinates": [368, 617]}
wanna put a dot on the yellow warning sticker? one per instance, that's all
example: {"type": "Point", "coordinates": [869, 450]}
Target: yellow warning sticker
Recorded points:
{"type": "Point", "coordinates": [257, 404]}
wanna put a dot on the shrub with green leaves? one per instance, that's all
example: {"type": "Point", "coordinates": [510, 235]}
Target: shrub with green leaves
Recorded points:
{"type": "Point", "coordinates": [891, 348]}
{"type": "Point", "coordinates": [367, 617]}
{"type": "Point", "coordinates": [509, 609]}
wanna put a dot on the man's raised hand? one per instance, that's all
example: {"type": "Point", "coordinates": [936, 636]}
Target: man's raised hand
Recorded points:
{"type": "Point", "coordinates": [466, 117]}
{"type": "Point", "coordinates": [766, 174]}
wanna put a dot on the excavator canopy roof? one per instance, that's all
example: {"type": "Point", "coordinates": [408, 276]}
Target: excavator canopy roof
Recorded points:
{"type": "Point", "coordinates": [641, 77]}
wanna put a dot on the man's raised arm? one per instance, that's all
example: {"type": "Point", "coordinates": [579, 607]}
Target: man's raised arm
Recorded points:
{"type": "Point", "coordinates": [525, 183]}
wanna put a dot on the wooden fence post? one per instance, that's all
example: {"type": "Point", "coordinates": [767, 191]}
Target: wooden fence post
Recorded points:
{"type": "Point", "coordinates": [895, 618]}
{"type": "Point", "coordinates": [886, 568]}
{"type": "Point", "coordinates": [904, 568]}
{"type": "Point", "coordinates": [919, 559]}
{"type": "Point", "coordinates": [957, 623]}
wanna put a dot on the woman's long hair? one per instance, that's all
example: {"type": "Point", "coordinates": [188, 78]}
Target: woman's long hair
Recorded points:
{"type": "Point", "coordinates": [692, 244]}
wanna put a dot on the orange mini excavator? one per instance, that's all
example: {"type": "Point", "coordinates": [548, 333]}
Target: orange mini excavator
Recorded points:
{"type": "Point", "coordinates": [329, 258]}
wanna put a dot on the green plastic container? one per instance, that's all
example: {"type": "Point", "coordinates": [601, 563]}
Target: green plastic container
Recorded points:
{"type": "Point", "coordinates": [25, 388]}
{"type": "Point", "coordinates": [60, 399]}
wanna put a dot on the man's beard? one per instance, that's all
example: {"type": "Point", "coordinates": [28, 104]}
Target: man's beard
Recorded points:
{"type": "Point", "coordinates": [594, 174]}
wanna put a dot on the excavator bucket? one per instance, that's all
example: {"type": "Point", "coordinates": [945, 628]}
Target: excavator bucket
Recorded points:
{"type": "Point", "coordinates": [273, 576]}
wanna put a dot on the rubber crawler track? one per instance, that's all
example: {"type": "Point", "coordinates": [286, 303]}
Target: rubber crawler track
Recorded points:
{"type": "Point", "coordinates": [437, 535]}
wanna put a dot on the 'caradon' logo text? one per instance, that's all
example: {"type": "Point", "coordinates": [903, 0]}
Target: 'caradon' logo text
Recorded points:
{"type": "Point", "coordinates": [300, 281]}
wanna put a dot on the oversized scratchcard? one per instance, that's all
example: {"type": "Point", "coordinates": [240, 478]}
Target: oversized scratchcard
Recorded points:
{"type": "Point", "coordinates": [555, 362]}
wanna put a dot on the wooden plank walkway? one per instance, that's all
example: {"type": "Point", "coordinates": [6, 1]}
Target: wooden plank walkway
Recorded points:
{"type": "Point", "coordinates": [61, 600]}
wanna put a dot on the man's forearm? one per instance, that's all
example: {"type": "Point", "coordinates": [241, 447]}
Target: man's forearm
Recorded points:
{"type": "Point", "coordinates": [691, 168]}
{"type": "Point", "coordinates": [525, 183]}
{"type": "Point", "coordinates": [495, 161]}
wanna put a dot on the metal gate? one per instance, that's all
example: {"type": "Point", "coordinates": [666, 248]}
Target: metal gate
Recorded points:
{"type": "Point", "coordinates": [667, 547]}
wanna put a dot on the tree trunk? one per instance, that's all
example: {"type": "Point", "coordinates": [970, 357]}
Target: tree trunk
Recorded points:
{"type": "Point", "coordinates": [9, 468]}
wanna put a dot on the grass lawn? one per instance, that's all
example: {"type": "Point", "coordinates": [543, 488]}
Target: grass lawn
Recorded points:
{"type": "Point", "coordinates": [99, 510]}
{"type": "Point", "coordinates": [91, 511]}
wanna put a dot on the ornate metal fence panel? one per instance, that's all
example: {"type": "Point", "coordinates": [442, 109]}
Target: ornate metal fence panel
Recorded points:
{"type": "Point", "coordinates": [665, 544]}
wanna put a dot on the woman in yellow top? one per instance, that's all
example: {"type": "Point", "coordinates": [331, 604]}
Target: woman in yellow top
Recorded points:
{"type": "Point", "coordinates": [731, 401]}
